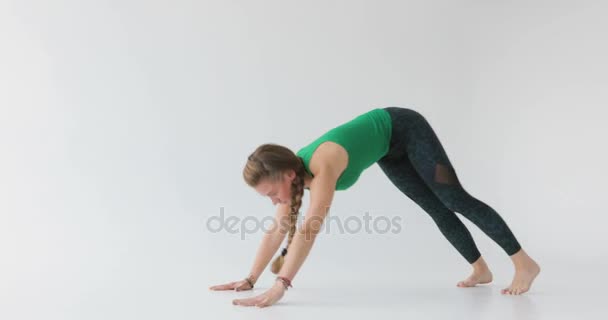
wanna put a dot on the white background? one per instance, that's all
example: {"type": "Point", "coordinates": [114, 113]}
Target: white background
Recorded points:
{"type": "Point", "coordinates": [124, 126]}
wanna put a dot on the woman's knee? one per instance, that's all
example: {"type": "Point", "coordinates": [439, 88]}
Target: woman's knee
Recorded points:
{"type": "Point", "coordinates": [455, 198]}
{"type": "Point", "coordinates": [445, 174]}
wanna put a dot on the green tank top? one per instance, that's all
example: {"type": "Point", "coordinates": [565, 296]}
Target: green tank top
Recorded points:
{"type": "Point", "coordinates": [366, 139]}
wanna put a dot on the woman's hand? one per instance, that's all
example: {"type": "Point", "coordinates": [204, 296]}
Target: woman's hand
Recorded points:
{"type": "Point", "coordinates": [265, 299]}
{"type": "Point", "coordinates": [236, 285]}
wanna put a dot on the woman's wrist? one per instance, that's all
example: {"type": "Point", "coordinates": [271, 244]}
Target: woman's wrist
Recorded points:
{"type": "Point", "coordinates": [285, 282]}
{"type": "Point", "coordinates": [251, 280]}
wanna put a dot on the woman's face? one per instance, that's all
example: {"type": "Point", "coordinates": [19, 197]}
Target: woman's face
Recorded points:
{"type": "Point", "coordinates": [277, 191]}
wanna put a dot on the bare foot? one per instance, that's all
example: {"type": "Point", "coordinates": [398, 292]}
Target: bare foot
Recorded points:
{"type": "Point", "coordinates": [476, 278]}
{"type": "Point", "coordinates": [481, 274]}
{"type": "Point", "coordinates": [526, 271]}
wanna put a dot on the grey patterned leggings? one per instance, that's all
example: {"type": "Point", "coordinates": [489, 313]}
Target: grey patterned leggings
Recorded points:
{"type": "Point", "coordinates": [417, 164]}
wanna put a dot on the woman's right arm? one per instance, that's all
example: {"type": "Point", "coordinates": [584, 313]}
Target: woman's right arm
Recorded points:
{"type": "Point", "coordinates": [271, 241]}
{"type": "Point", "coordinates": [268, 247]}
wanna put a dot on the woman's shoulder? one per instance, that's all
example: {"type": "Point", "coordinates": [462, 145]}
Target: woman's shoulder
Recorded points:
{"type": "Point", "coordinates": [329, 156]}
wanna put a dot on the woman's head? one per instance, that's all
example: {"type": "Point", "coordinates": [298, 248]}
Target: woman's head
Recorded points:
{"type": "Point", "coordinates": [278, 191]}
{"type": "Point", "coordinates": [275, 171]}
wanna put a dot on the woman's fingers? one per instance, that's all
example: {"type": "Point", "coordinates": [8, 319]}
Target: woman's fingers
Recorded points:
{"type": "Point", "coordinates": [248, 301]}
{"type": "Point", "coordinates": [227, 286]}
{"type": "Point", "coordinates": [243, 285]}
{"type": "Point", "coordinates": [255, 301]}
{"type": "Point", "coordinates": [236, 285]}
{"type": "Point", "coordinates": [242, 302]}
{"type": "Point", "coordinates": [264, 303]}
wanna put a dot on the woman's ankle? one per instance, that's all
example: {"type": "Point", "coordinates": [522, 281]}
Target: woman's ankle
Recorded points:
{"type": "Point", "coordinates": [480, 265]}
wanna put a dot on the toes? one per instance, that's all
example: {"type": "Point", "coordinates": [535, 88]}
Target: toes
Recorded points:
{"type": "Point", "coordinates": [515, 289]}
{"type": "Point", "coordinates": [466, 284]}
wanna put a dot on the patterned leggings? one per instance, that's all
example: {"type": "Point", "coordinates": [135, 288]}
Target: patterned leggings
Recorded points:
{"type": "Point", "coordinates": [417, 164]}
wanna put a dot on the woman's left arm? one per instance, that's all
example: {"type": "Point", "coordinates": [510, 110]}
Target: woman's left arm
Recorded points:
{"type": "Point", "coordinates": [321, 195]}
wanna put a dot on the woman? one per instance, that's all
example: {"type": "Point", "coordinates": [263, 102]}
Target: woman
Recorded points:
{"type": "Point", "coordinates": [408, 151]}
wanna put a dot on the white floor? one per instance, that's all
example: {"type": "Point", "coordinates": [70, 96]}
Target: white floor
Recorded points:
{"type": "Point", "coordinates": [429, 301]}
{"type": "Point", "coordinates": [554, 296]}
{"type": "Point", "coordinates": [172, 289]}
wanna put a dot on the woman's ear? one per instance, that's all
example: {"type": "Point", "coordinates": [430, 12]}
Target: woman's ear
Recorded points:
{"type": "Point", "coordinates": [290, 174]}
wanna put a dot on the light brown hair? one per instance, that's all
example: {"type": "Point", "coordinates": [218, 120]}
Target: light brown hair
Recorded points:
{"type": "Point", "coordinates": [270, 161]}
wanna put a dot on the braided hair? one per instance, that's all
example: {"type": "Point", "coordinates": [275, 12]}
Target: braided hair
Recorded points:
{"type": "Point", "coordinates": [269, 161]}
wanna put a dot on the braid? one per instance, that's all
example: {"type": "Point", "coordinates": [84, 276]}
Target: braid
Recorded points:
{"type": "Point", "coordinates": [297, 192]}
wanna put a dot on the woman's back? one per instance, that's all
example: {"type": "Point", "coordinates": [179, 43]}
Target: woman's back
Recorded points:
{"type": "Point", "coordinates": [366, 139]}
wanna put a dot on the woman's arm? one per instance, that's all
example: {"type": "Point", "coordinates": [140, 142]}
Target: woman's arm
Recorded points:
{"type": "Point", "coordinates": [327, 169]}
{"type": "Point", "coordinates": [321, 195]}
{"type": "Point", "coordinates": [271, 241]}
